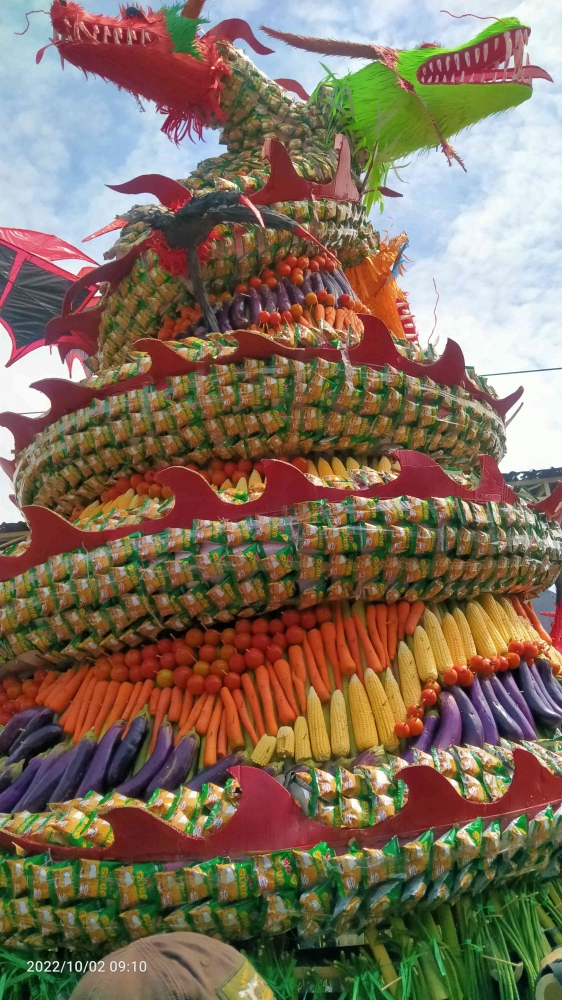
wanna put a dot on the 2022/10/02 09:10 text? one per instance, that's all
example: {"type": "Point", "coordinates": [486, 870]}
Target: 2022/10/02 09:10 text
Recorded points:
{"type": "Point", "coordinates": [89, 965]}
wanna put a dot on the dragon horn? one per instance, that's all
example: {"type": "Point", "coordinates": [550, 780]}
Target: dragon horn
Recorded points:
{"type": "Point", "coordinates": [329, 46]}
{"type": "Point", "coordinates": [193, 8]}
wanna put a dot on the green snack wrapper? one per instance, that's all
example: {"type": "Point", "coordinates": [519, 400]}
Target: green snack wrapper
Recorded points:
{"type": "Point", "coordinates": [381, 899]}
{"type": "Point", "coordinates": [413, 892]}
{"type": "Point", "coordinates": [234, 880]}
{"type": "Point", "coordinates": [46, 919]}
{"type": "Point", "coordinates": [241, 920]}
{"type": "Point", "coordinates": [345, 912]}
{"type": "Point", "coordinates": [64, 882]}
{"type": "Point", "coordinates": [202, 919]}
{"type": "Point", "coordinates": [141, 921]}
{"type": "Point", "coordinates": [199, 879]}
{"type": "Point", "coordinates": [172, 888]}
{"type": "Point", "coordinates": [443, 854]}
{"type": "Point", "coordinates": [101, 926]}
{"type": "Point", "coordinates": [281, 912]}
{"type": "Point", "coordinates": [469, 842]}
{"type": "Point", "coordinates": [514, 836]}
{"type": "Point", "coordinates": [275, 872]}
{"type": "Point", "coordinates": [14, 877]}
{"type": "Point", "coordinates": [36, 871]}
{"type": "Point", "coordinates": [416, 855]}
{"type": "Point", "coordinates": [440, 890]}
{"type": "Point", "coordinates": [97, 879]}
{"type": "Point", "coordinates": [136, 884]}
{"type": "Point", "coordinates": [540, 827]}
{"type": "Point", "coordinates": [179, 920]}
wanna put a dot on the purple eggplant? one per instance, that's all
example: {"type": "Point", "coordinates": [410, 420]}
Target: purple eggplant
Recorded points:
{"type": "Point", "coordinates": [95, 777]}
{"type": "Point", "coordinates": [549, 681]}
{"type": "Point", "coordinates": [255, 306]}
{"type": "Point", "coordinates": [136, 785]}
{"type": "Point", "coordinates": [316, 282]}
{"type": "Point", "coordinates": [424, 741]}
{"type": "Point", "coordinates": [217, 773]}
{"type": "Point", "coordinates": [507, 727]}
{"type": "Point", "coordinates": [513, 710]}
{"type": "Point", "coordinates": [283, 300]}
{"type": "Point", "coordinates": [268, 300]}
{"type": "Point", "coordinates": [178, 766]}
{"type": "Point", "coordinates": [367, 757]}
{"type": "Point", "coordinates": [295, 293]}
{"type": "Point", "coordinates": [237, 313]}
{"type": "Point", "coordinates": [126, 753]}
{"type": "Point", "coordinates": [477, 698]}
{"type": "Point", "coordinates": [330, 284]}
{"type": "Point", "coordinates": [223, 320]}
{"type": "Point", "coordinates": [9, 774]}
{"type": "Point", "coordinates": [11, 796]}
{"type": "Point", "coordinates": [450, 730]}
{"type": "Point", "coordinates": [508, 682]}
{"type": "Point", "coordinates": [542, 689]}
{"type": "Point", "coordinates": [472, 728]}
{"type": "Point", "coordinates": [43, 717]}
{"type": "Point", "coordinates": [15, 727]}
{"type": "Point", "coordinates": [341, 280]}
{"type": "Point", "coordinates": [36, 742]}
{"type": "Point", "coordinates": [306, 287]}
{"type": "Point", "coordinates": [75, 770]}
{"type": "Point", "coordinates": [41, 791]}
{"type": "Point", "coordinates": [542, 713]}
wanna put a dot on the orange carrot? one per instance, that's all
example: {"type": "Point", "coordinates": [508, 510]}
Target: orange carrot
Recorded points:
{"type": "Point", "coordinates": [131, 703]}
{"type": "Point", "coordinates": [187, 705]}
{"type": "Point", "coordinates": [370, 653]}
{"type": "Point", "coordinates": [193, 716]}
{"type": "Point", "coordinates": [392, 630]}
{"type": "Point", "coordinates": [403, 612]}
{"type": "Point", "coordinates": [318, 312]}
{"type": "Point", "coordinates": [535, 621]}
{"type": "Point", "coordinates": [222, 741]}
{"type": "Point", "coordinates": [283, 672]}
{"type": "Point", "coordinates": [416, 611]}
{"type": "Point", "coordinates": [83, 706]}
{"type": "Point", "coordinates": [205, 717]}
{"type": "Point", "coordinates": [175, 704]}
{"type": "Point", "coordinates": [210, 751]}
{"type": "Point", "coordinates": [47, 682]}
{"type": "Point", "coordinates": [142, 699]}
{"type": "Point", "coordinates": [314, 676]}
{"type": "Point", "coordinates": [94, 707]}
{"type": "Point", "coordinates": [284, 710]}
{"type": "Point", "coordinates": [244, 717]}
{"type": "Point", "coordinates": [296, 659]}
{"type": "Point", "coordinates": [381, 614]}
{"type": "Point", "coordinates": [253, 701]}
{"type": "Point", "coordinates": [264, 688]}
{"type": "Point", "coordinates": [120, 705]}
{"type": "Point", "coordinates": [346, 661]}
{"type": "Point", "coordinates": [330, 314]}
{"type": "Point", "coordinates": [60, 702]}
{"type": "Point", "coordinates": [371, 619]}
{"type": "Point", "coordinates": [340, 320]}
{"type": "Point", "coordinates": [163, 706]}
{"type": "Point", "coordinates": [328, 633]}
{"type": "Point", "coordinates": [520, 608]}
{"type": "Point", "coordinates": [73, 709]}
{"type": "Point", "coordinates": [58, 687]}
{"type": "Point", "coordinates": [317, 646]}
{"type": "Point", "coordinates": [233, 728]}
{"type": "Point", "coordinates": [154, 698]}
{"type": "Point", "coordinates": [110, 696]}
{"type": "Point", "coordinates": [353, 644]}
{"type": "Point", "coordinates": [300, 688]}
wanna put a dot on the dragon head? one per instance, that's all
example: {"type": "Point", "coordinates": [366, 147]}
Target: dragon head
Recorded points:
{"type": "Point", "coordinates": [155, 55]}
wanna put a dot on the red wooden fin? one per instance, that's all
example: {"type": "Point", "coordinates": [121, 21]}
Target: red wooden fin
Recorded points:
{"type": "Point", "coordinates": [234, 28]}
{"type": "Point", "coordinates": [294, 87]}
{"type": "Point", "coordinates": [170, 193]}
{"type": "Point", "coordinates": [552, 505]}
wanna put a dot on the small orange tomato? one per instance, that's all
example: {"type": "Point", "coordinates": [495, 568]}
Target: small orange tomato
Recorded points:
{"type": "Point", "coordinates": [450, 676]}
{"type": "Point", "coordinates": [428, 696]}
{"type": "Point", "coordinates": [466, 678]}
{"type": "Point", "coordinates": [119, 673]}
{"type": "Point", "coordinates": [219, 668]}
{"type": "Point", "coordinates": [503, 664]}
{"type": "Point", "coordinates": [530, 651]}
{"type": "Point", "coordinates": [213, 684]}
{"type": "Point", "coordinates": [196, 684]}
{"type": "Point", "coordinates": [165, 679]}
{"type": "Point", "coordinates": [513, 660]}
{"type": "Point", "coordinates": [232, 681]}
{"type": "Point", "coordinates": [487, 667]}
{"type": "Point", "coordinates": [516, 647]}
{"type": "Point", "coordinates": [296, 310]}
{"type": "Point", "coordinates": [475, 663]}
{"type": "Point", "coordinates": [402, 729]}
{"type": "Point", "coordinates": [194, 637]}
{"type": "Point", "coordinates": [416, 727]}
{"type": "Point", "coordinates": [201, 668]}
{"type": "Point", "coordinates": [432, 686]}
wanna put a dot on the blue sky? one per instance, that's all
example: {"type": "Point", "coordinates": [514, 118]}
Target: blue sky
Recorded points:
{"type": "Point", "coordinates": [489, 238]}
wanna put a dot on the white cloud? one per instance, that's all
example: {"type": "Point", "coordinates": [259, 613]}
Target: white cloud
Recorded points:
{"type": "Point", "coordinates": [490, 238]}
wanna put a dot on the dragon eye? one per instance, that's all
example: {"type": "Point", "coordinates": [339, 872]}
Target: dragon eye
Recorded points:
{"type": "Point", "coordinates": [133, 12]}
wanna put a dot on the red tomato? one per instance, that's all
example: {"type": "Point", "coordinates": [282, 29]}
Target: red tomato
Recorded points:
{"type": "Point", "coordinates": [244, 465]}
{"type": "Point", "coordinates": [513, 660]}
{"type": "Point", "coordinates": [232, 681]}
{"type": "Point", "coordinates": [275, 626]}
{"type": "Point", "coordinates": [323, 614]}
{"type": "Point", "coordinates": [122, 485]}
{"type": "Point", "coordinates": [142, 489]}
{"type": "Point", "coordinates": [229, 469]}
{"type": "Point", "coordinates": [5, 717]}
{"type": "Point", "coordinates": [291, 260]}
{"type": "Point", "coordinates": [279, 639]}
{"type": "Point", "coordinates": [295, 635]}
{"type": "Point", "coordinates": [260, 641]}
{"type": "Point", "coordinates": [241, 625]}
{"type": "Point", "coordinates": [225, 652]}
{"type": "Point", "coordinates": [450, 676]}
{"type": "Point", "coordinates": [103, 670]}
{"type": "Point", "coordinates": [117, 659]}
{"type": "Point", "coordinates": [135, 673]}
{"type": "Point", "coordinates": [9, 679]}
{"type": "Point", "coordinates": [300, 463]}
{"type": "Point", "coordinates": [120, 673]}
{"type": "Point", "coordinates": [530, 651]}
{"type": "Point", "coordinates": [466, 678]}
{"type": "Point", "coordinates": [136, 479]}
{"type": "Point", "coordinates": [290, 617]}
{"type": "Point", "coordinates": [503, 664]}
{"type": "Point", "coordinates": [184, 657]}
{"type": "Point", "coordinates": [284, 269]}
{"type": "Point", "coordinates": [487, 667]}
{"type": "Point", "coordinates": [22, 702]}
{"type": "Point", "coordinates": [237, 663]}
{"type": "Point", "coordinates": [213, 684]}
{"type": "Point", "coordinates": [255, 282]}
{"type": "Point", "coordinates": [428, 697]}
{"type": "Point", "coordinates": [29, 684]}
{"type": "Point", "coordinates": [254, 658]}
{"type": "Point", "coordinates": [14, 690]}
{"type": "Point", "coordinates": [165, 679]}
{"type": "Point", "coordinates": [416, 727]}
{"type": "Point", "coordinates": [308, 619]}
{"type": "Point", "coordinates": [149, 652]}
{"type": "Point", "coordinates": [168, 661]}
{"type": "Point", "coordinates": [181, 676]}
{"type": "Point", "coordinates": [196, 684]}
{"type": "Point", "coordinates": [193, 637]}
{"type": "Point", "coordinates": [227, 636]}
{"type": "Point", "coordinates": [40, 675]}
{"type": "Point", "coordinates": [475, 663]}
{"type": "Point", "coordinates": [402, 729]}
{"type": "Point", "coordinates": [149, 668]}
{"type": "Point", "coordinates": [202, 668]}
{"type": "Point", "coordinates": [219, 667]}
{"type": "Point", "coordinates": [495, 661]}
{"type": "Point", "coordinates": [314, 265]}
{"type": "Point", "coordinates": [3, 698]}
{"type": "Point", "coordinates": [344, 300]}
{"type": "Point", "coordinates": [274, 652]}
{"type": "Point", "coordinates": [516, 647]}
{"type": "Point", "coordinates": [208, 653]}
{"type": "Point", "coordinates": [242, 641]}
{"type": "Point", "coordinates": [164, 646]}
{"type": "Point", "coordinates": [150, 475]}
{"type": "Point", "coordinates": [260, 626]}
{"type": "Point", "coordinates": [303, 262]}
{"type": "Point", "coordinates": [133, 657]}
{"type": "Point", "coordinates": [414, 712]}
{"type": "Point", "coordinates": [212, 637]}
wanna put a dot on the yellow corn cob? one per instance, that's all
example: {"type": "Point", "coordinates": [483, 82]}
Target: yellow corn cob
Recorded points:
{"type": "Point", "coordinates": [124, 501]}
{"type": "Point", "coordinates": [497, 638]}
{"type": "Point", "coordinates": [497, 615]}
{"type": "Point", "coordinates": [340, 469]}
{"type": "Point", "coordinates": [513, 618]}
{"type": "Point", "coordinates": [312, 470]}
{"type": "Point", "coordinates": [437, 612]}
{"type": "Point", "coordinates": [285, 746]}
{"type": "Point", "coordinates": [394, 696]}
{"type": "Point", "coordinates": [453, 640]}
{"type": "Point", "coordinates": [264, 750]}
{"type": "Point", "coordinates": [478, 621]}
{"type": "Point", "coordinates": [555, 656]}
{"type": "Point", "coordinates": [381, 710]}
{"type": "Point", "coordinates": [319, 739]}
{"type": "Point", "coordinates": [432, 626]}
{"type": "Point", "coordinates": [303, 750]}
{"type": "Point", "coordinates": [324, 468]}
{"type": "Point", "coordinates": [255, 478]}
{"type": "Point", "coordinates": [91, 509]}
{"type": "Point", "coordinates": [339, 730]}
{"type": "Point", "coordinates": [351, 464]}
{"type": "Point", "coordinates": [364, 728]}
{"type": "Point", "coordinates": [465, 634]}
{"type": "Point", "coordinates": [423, 655]}
{"type": "Point", "coordinates": [242, 486]}
{"type": "Point", "coordinates": [384, 465]}
{"type": "Point", "coordinates": [409, 680]}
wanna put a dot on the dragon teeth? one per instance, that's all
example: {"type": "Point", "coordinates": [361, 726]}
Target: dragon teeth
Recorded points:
{"type": "Point", "coordinates": [457, 61]}
{"type": "Point", "coordinates": [477, 55]}
{"type": "Point", "coordinates": [485, 51]}
{"type": "Point", "coordinates": [467, 58]}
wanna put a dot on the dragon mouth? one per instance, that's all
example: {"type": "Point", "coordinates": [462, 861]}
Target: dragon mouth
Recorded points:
{"type": "Point", "coordinates": [500, 58]}
{"type": "Point", "coordinates": [78, 32]}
